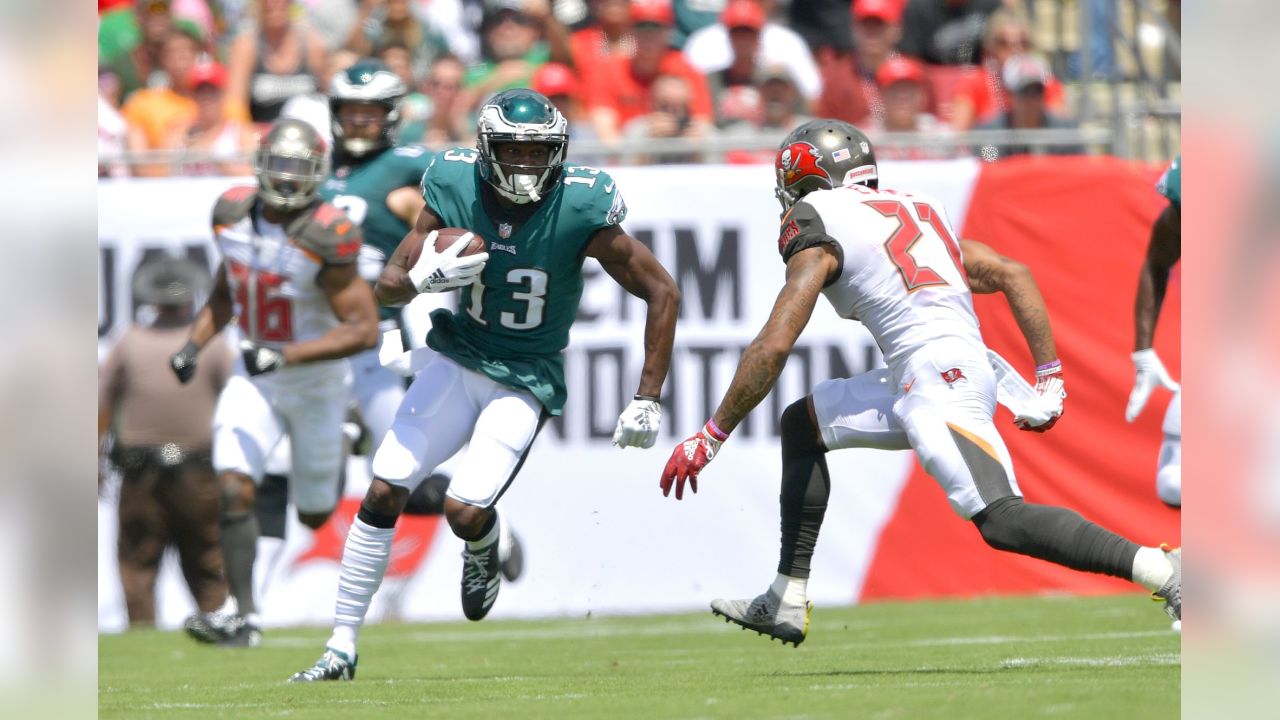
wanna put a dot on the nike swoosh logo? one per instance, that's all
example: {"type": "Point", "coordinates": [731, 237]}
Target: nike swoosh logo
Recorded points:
{"type": "Point", "coordinates": [608, 188]}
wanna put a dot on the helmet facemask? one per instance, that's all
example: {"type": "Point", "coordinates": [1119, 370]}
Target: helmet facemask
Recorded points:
{"type": "Point", "coordinates": [368, 81]}
{"type": "Point", "coordinates": [290, 164]}
{"type": "Point", "coordinates": [521, 116]}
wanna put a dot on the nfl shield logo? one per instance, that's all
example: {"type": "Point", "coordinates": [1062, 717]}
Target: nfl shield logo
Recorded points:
{"type": "Point", "coordinates": [504, 230]}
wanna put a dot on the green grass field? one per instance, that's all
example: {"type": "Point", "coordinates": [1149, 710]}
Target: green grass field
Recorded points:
{"type": "Point", "coordinates": [1109, 657]}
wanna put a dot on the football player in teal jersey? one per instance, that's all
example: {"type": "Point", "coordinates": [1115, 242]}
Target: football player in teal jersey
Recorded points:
{"type": "Point", "coordinates": [1164, 251]}
{"type": "Point", "coordinates": [499, 372]}
{"type": "Point", "coordinates": [378, 183]}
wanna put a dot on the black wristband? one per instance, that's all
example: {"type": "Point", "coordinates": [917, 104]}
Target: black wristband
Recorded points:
{"type": "Point", "coordinates": [650, 398]}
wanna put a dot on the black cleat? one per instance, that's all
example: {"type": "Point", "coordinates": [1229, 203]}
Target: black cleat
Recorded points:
{"type": "Point", "coordinates": [210, 627]}
{"type": "Point", "coordinates": [481, 579]}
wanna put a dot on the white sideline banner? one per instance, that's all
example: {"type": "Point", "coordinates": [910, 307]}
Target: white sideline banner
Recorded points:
{"type": "Point", "coordinates": [598, 535]}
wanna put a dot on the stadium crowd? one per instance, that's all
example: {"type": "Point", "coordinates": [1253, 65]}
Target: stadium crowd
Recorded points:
{"type": "Point", "coordinates": [199, 80]}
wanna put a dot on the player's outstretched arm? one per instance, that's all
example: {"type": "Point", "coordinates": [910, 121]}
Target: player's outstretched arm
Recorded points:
{"type": "Point", "coordinates": [763, 360]}
{"type": "Point", "coordinates": [394, 288]}
{"type": "Point", "coordinates": [352, 302]}
{"type": "Point", "coordinates": [1153, 280]}
{"type": "Point", "coordinates": [634, 267]}
{"type": "Point", "coordinates": [1163, 252]}
{"type": "Point", "coordinates": [991, 272]}
{"type": "Point", "coordinates": [807, 272]}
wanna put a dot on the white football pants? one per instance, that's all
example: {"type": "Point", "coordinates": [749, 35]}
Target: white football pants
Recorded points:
{"type": "Point", "coordinates": [947, 423]}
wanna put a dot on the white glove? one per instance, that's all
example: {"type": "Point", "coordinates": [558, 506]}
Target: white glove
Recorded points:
{"type": "Point", "coordinates": [439, 271]}
{"type": "Point", "coordinates": [638, 424]}
{"type": "Point", "coordinates": [1150, 373]}
{"type": "Point", "coordinates": [1032, 409]}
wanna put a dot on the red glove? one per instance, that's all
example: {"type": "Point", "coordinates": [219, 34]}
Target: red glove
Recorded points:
{"type": "Point", "coordinates": [689, 457]}
{"type": "Point", "coordinates": [1050, 386]}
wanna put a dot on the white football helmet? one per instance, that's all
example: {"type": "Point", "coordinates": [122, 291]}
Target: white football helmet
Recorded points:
{"type": "Point", "coordinates": [521, 115]}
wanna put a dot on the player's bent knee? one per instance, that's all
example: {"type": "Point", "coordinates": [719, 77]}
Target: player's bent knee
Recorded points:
{"type": "Point", "coordinates": [314, 520]}
{"type": "Point", "coordinates": [467, 521]}
{"type": "Point", "coordinates": [800, 433]}
{"type": "Point", "coordinates": [1000, 524]}
{"type": "Point", "coordinates": [384, 501]}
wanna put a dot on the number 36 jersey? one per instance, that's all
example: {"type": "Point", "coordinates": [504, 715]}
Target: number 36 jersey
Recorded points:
{"type": "Point", "coordinates": [513, 325]}
{"type": "Point", "coordinates": [901, 273]}
{"type": "Point", "coordinates": [272, 269]}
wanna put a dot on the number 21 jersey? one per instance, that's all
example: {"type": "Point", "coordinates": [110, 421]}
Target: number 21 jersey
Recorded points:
{"type": "Point", "coordinates": [901, 272]}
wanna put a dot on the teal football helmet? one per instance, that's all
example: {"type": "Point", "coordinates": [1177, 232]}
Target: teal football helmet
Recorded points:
{"type": "Point", "coordinates": [368, 81]}
{"type": "Point", "coordinates": [521, 115]}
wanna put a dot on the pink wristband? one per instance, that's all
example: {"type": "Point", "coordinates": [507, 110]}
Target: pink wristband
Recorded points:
{"type": "Point", "coordinates": [715, 431]}
{"type": "Point", "coordinates": [1049, 366]}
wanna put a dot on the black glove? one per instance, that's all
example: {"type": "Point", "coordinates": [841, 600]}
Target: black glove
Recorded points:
{"type": "Point", "coordinates": [183, 362]}
{"type": "Point", "coordinates": [259, 359]}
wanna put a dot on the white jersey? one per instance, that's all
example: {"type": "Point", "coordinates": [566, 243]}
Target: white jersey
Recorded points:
{"type": "Point", "coordinates": [901, 272]}
{"type": "Point", "coordinates": [273, 270]}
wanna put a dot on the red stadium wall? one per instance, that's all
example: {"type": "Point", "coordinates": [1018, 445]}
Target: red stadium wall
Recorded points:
{"type": "Point", "coordinates": [1081, 225]}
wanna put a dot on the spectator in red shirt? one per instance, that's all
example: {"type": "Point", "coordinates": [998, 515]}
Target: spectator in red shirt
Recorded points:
{"type": "Point", "coordinates": [609, 37]}
{"type": "Point", "coordinates": [670, 118]}
{"type": "Point", "coordinates": [906, 100]}
{"type": "Point", "coordinates": [733, 88]}
{"type": "Point", "coordinates": [980, 95]}
{"type": "Point", "coordinates": [561, 86]}
{"type": "Point", "coordinates": [621, 90]}
{"type": "Point", "coordinates": [849, 82]}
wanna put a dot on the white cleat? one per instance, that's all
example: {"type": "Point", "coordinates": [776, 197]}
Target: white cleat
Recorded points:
{"type": "Point", "coordinates": [1171, 592]}
{"type": "Point", "coordinates": [767, 615]}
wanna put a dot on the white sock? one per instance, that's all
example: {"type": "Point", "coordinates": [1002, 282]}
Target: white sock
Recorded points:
{"type": "Point", "coordinates": [489, 538]}
{"type": "Point", "coordinates": [790, 589]}
{"type": "Point", "coordinates": [1151, 569]}
{"type": "Point", "coordinates": [364, 560]}
{"type": "Point", "coordinates": [229, 606]}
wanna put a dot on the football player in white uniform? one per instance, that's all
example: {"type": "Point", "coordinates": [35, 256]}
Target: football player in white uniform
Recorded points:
{"type": "Point", "coordinates": [889, 259]}
{"type": "Point", "coordinates": [289, 275]}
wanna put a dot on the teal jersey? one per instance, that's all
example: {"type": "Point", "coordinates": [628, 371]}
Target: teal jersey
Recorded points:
{"type": "Point", "coordinates": [514, 324]}
{"type": "Point", "coordinates": [1170, 183]}
{"type": "Point", "coordinates": [360, 188]}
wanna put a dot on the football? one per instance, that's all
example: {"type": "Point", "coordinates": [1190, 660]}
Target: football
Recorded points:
{"type": "Point", "coordinates": [446, 238]}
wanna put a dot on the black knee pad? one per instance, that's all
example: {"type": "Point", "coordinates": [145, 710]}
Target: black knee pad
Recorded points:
{"type": "Point", "coordinates": [799, 433]}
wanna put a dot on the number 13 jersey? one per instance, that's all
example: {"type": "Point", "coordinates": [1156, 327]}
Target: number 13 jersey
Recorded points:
{"type": "Point", "coordinates": [514, 324]}
{"type": "Point", "coordinates": [901, 272]}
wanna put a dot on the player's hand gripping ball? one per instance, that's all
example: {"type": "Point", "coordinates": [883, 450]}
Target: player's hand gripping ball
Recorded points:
{"type": "Point", "coordinates": [448, 258]}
